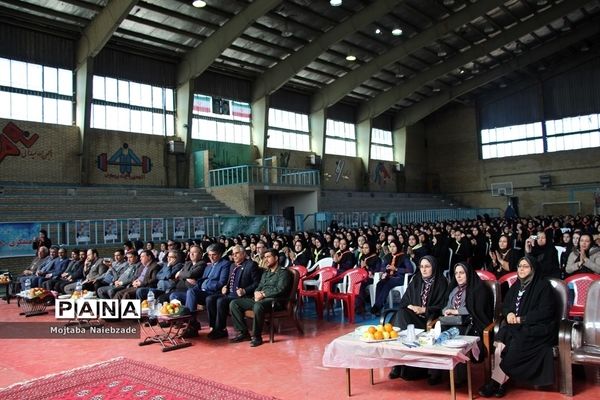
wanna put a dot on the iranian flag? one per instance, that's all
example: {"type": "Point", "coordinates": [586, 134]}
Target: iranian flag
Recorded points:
{"type": "Point", "coordinates": [240, 110]}
{"type": "Point", "coordinates": [202, 104]}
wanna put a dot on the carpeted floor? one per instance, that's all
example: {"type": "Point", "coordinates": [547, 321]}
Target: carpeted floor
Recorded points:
{"type": "Point", "coordinates": [122, 378]}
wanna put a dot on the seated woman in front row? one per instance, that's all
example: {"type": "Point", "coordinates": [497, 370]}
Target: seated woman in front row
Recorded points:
{"type": "Point", "coordinates": [471, 298]}
{"type": "Point", "coordinates": [423, 299]}
{"type": "Point", "coordinates": [524, 344]}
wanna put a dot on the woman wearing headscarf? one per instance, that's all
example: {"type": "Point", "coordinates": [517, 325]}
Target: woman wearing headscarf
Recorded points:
{"type": "Point", "coordinates": [320, 251]}
{"type": "Point", "coordinates": [584, 258]}
{"type": "Point", "coordinates": [423, 299]}
{"type": "Point", "coordinates": [504, 258]}
{"type": "Point", "coordinates": [396, 265]}
{"type": "Point", "coordinates": [523, 346]}
{"type": "Point", "coordinates": [545, 253]}
{"type": "Point", "coordinates": [343, 259]}
{"type": "Point", "coordinates": [368, 260]}
{"type": "Point", "coordinates": [301, 255]}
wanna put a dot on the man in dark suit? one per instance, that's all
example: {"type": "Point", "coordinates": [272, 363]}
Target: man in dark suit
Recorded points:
{"type": "Point", "coordinates": [145, 276]}
{"type": "Point", "coordinates": [244, 277]}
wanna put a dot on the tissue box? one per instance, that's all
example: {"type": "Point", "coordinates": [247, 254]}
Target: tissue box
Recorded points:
{"type": "Point", "coordinates": [426, 339]}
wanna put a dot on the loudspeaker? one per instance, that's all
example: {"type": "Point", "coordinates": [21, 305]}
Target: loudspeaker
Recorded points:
{"type": "Point", "coordinates": [289, 215]}
{"type": "Point", "coordinates": [546, 180]}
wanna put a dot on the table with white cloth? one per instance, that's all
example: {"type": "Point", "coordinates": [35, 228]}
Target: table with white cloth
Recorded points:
{"type": "Point", "coordinates": [349, 351]}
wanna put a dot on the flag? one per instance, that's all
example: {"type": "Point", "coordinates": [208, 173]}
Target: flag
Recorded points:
{"type": "Point", "coordinates": [240, 110]}
{"type": "Point", "coordinates": [202, 104]}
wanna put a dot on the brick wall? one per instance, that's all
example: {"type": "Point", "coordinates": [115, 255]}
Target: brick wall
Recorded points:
{"type": "Point", "coordinates": [36, 152]}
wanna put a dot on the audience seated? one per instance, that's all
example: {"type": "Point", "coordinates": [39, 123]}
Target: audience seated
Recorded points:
{"type": "Point", "coordinates": [396, 265]}
{"type": "Point", "coordinates": [423, 299]}
{"type": "Point", "coordinates": [114, 269]}
{"type": "Point", "coordinates": [73, 264]}
{"type": "Point", "coordinates": [244, 277]}
{"type": "Point", "coordinates": [124, 280]}
{"type": "Point", "coordinates": [343, 258]}
{"type": "Point", "coordinates": [523, 345]}
{"type": "Point", "coordinates": [545, 253]}
{"type": "Point", "coordinates": [585, 257]}
{"type": "Point", "coordinates": [504, 258]}
{"type": "Point", "coordinates": [73, 273]}
{"type": "Point", "coordinates": [43, 255]}
{"type": "Point", "coordinates": [93, 267]}
{"type": "Point", "coordinates": [145, 276]}
{"type": "Point", "coordinates": [165, 277]}
{"type": "Point", "coordinates": [275, 282]}
{"type": "Point", "coordinates": [213, 279]}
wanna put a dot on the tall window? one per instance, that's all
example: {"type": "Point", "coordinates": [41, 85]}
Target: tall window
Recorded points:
{"type": "Point", "coordinates": [573, 133]}
{"type": "Point", "coordinates": [132, 107]}
{"type": "Point", "coordinates": [221, 120]}
{"type": "Point", "coordinates": [570, 133]}
{"type": "Point", "coordinates": [340, 138]}
{"type": "Point", "coordinates": [514, 140]}
{"type": "Point", "coordinates": [382, 147]}
{"type": "Point", "coordinates": [288, 130]}
{"type": "Point", "coordinates": [34, 92]}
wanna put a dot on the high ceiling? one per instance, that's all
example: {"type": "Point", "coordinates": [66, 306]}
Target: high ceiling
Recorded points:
{"type": "Point", "coordinates": [449, 50]}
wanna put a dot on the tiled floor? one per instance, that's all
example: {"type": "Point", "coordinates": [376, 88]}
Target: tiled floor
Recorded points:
{"type": "Point", "coordinates": [290, 368]}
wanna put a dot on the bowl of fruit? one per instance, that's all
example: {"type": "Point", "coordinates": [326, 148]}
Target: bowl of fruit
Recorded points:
{"type": "Point", "coordinates": [172, 309]}
{"type": "Point", "coordinates": [379, 333]}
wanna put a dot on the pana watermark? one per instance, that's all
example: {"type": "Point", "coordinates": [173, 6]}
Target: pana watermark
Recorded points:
{"type": "Point", "coordinates": [87, 309]}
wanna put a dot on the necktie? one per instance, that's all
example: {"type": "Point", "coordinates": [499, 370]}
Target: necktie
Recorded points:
{"type": "Point", "coordinates": [232, 278]}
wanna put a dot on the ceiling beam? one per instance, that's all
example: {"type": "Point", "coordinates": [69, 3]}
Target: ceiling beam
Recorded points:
{"type": "Point", "coordinates": [336, 91]}
{"type": "Point", "coordinates": [384, 101]}
{"type": "Point", "coordinates": [200, 58]}
{"type": "Point", "coordinates": [277, 76]}
{"type": "Point", "coordinates": [428, 106]}
{"type": "Point", "coordinates": [102, 27]}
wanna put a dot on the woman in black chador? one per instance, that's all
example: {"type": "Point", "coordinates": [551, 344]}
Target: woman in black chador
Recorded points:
{"type": "Point", "coordinates": [524, 343]}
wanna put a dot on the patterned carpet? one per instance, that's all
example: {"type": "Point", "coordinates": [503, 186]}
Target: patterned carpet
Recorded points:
{"type": "Point", "coordinates": [122, 378]}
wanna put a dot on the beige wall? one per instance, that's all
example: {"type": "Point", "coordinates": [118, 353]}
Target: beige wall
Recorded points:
{"type": "Point", "coordinates": [146, 147]}
{"type": "Point", "coordinates": [36, 152]}
{"type": "Point", "coordinates": [342, 173]}
{"type": "Point", "coordinates": [240, 198]}
{"type": "Point", "coordinates": [453, 154]}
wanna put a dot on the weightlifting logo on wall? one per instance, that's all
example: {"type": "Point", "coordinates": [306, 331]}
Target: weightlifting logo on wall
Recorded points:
{"type": "Point", "coordinates": [126, 159]}
{"type": "Point", "coordinates": [10, 138]}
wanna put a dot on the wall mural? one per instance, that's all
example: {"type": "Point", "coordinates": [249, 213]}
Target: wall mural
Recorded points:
{"type": "Point", "coordinates": [12, 135]}
{"type": "Point", "coordinates": [284, 159]}
{"type": "Point", "coordinates": [381, 175]}
{"type": "Point", "coordinates": [223, 155]}
{"type": "Point", "coordinates": [126, 159]}
{"type": "Point", "coordinates": [339, 172]}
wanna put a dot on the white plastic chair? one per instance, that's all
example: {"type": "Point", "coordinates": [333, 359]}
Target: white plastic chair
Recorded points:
{"type": "Point", "coordinates": [399, 289]}
{"type": "Point", "coordinates": [316, 283]}
{"type": "Point", "coordinates": [559, 251]}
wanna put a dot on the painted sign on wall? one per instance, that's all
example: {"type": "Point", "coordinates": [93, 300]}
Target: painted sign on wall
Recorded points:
{"type": "Point", "coordinates": [16, 239]}
{"type": "Point", "coordinates": [127, 162]}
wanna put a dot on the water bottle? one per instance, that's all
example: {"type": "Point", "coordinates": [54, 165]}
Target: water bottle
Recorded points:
{"type": "Point", "coordinates": [150, 299]}
{"type": "Point", "coordinates": [449, 334]}
{"type": "Point", "coordinates": [79, 288]}
{"type": "Point", "coordinates": [27, 285]}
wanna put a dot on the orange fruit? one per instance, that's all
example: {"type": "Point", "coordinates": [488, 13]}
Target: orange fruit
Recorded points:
{"type": "Point", "coordinates": [393, 334]}
{"type": "Point", "coordinates": [372, 329]}
{"type": "Point", "coordinates": [378, 335]}
{"type": "Point", "coordinates": [388, 327]}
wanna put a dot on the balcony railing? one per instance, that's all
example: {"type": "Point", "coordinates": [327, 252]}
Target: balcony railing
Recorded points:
{"type": "Point", "coordinates": [267, 176]}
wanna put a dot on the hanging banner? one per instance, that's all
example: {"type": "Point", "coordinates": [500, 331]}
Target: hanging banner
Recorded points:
{"type": "Point", "coordinates": [16, 239]}
{"type": "Point", "coordinates": [110, 230]}
{"type": "Point", "coordinates": [199, 227]}
{"type": "Point", "coordinates": [158, 228]}
{"type": "Point", "coordinates": [82, 229]}
{"type": "Point", "coordinates": [134, 229]}
{"type": "Point", "coordinates": [179, 228]}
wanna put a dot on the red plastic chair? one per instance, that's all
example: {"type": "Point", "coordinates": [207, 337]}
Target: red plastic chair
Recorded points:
{"type": "Point", "coordinates": [509, 278]}
{"type": "Point", "coordinates": [485, 275]}
{"type": "Point", "coordinates": [302, 271]}
{"type": "Point", "coordinates": [354, 279]}
{"type": "Point", "coordinates": [580, 283]}
{"type": "Point", "coordinates": [325, 275]}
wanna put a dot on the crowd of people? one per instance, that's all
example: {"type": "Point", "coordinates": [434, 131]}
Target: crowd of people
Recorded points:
{"type": "Point", "coordinates": [230, 275]}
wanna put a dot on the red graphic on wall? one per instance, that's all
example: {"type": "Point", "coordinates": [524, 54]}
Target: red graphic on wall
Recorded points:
{"type": "Point", "coordinates": [12, 135]}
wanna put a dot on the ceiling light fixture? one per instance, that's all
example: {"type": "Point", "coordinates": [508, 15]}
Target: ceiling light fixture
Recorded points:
{"type": "Point", "coordinates": [397, 32]}
{"type": "Point", "coordinates": [199, 3]}
{"type": "Point", "coordinates": [448, 2]}
{"type": "Point", "coordinates": [335, 3]}
{"type": "Point", "coordinates": [442, 53]}
{"type": "Point", "coordinates": [542, 2]}
{"type": "Point", "coordinates": [436, 89]}
{"type": "Point", "coordinates": [502, 85]}
{"type": "Point", "coordinates": [351, 57]}
{"type": "Point", "coordinates": [377, 31]}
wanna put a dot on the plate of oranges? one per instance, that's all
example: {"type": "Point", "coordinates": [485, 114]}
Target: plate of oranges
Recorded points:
{"type": "Point", "coordinates": [378, 333]}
